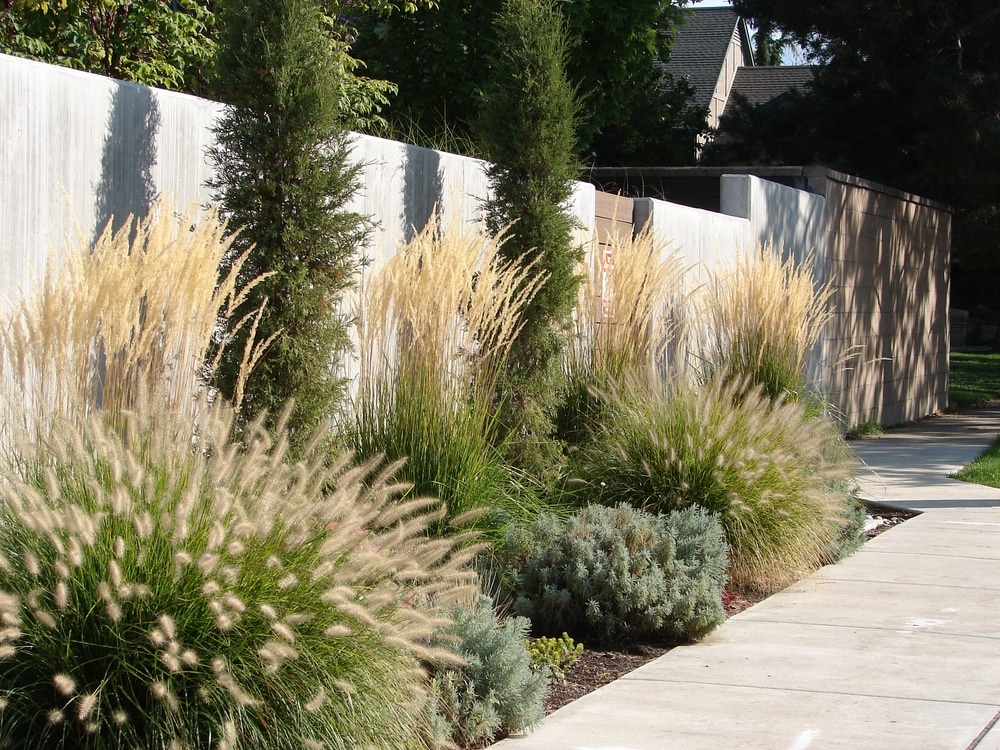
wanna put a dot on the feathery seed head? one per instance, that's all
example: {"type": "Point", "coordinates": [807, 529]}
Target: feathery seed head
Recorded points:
{"type": "Point", "coordinates": [60, 595]}
{"type": "Point", "coordinates": [45, 618]}
{"type": "Point", "coordinates": [65, 684]}
{"type": "Point", "coordinates": [86, 705]}
{"type": "Point", "coordinates": [268, 611]}
{"type": "Point", "coordinates": [31, 563]}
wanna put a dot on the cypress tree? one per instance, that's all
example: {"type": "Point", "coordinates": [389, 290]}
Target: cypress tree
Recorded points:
{"type": "Point", "coordinates": [284, 179]}
{"type": "Point", "coordinates": [527, 129]}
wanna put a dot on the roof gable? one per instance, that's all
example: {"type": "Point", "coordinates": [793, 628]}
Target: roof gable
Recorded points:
{"type": "Point", "coordinates": [700, 47]}
{"type": "Point", "coordinates": [762, 84]}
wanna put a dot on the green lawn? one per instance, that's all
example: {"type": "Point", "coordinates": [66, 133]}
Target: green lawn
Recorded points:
{"type": "Point", "coordinates": [974, 376]}
{"type": "Point", "coordinates": [985, 469]}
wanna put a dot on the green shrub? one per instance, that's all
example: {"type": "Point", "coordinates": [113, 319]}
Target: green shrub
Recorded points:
{"type": "Point", "coordinates": [498, 691]}
{"type": "Point", "coordinates": [620, 572]}
{"type": "Point", "coordinates": [162, 586]}
{"type": "Point", "coordinates": [775, 477]}
{"type": "Point", "coordinates": [285, 179]}
{"type": "Point", "coordinates": [554, 654]}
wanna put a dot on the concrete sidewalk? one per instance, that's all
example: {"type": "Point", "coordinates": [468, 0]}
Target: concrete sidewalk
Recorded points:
{"type": "Point", "coordinates": [896, 647]}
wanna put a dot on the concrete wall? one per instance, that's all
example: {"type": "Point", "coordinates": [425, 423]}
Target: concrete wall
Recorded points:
{"type": "Point", "coordinates": [703, 238]}
{"type": "Point", "coordinates": [80, 148]}
{"type": "Point", "coordinates": [888, 260]}
{"type": "Point", "coordinates": [886, 255]}
{"type": "Point", "coordinates": [77, 149]}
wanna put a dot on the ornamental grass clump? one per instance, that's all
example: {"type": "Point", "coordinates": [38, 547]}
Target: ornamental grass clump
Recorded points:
{"type": "Point", "coordinates": [436, 324]}
{"type": "Point", "coordinates": [763, 319]}
{"type": "Point", "coordinates": [621, 572]}
{"type": "Point", "coordinates": [639, 338]}
{"type": "Point", "coordinates": [136, 313]}
{"type": "Point", "coordinates": [168, 587]}
{"type": "Point", "coordinates": [775, 476]}
{"type": "Point", "coordinates": [167, 581]}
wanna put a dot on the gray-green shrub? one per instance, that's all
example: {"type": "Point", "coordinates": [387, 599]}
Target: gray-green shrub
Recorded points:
{"type": "Point", "coordinates": [497, 691]}
{"type": "Point", "coordinates": [620, 572]}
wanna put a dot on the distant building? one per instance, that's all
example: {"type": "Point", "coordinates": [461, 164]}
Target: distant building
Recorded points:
{"type": "Point", "coordinates": [713, 50]}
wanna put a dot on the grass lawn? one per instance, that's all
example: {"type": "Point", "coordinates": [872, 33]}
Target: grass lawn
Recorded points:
{"type": "Point", "coordinates": [985, 469]}
{"type": "Point", "coordinates": [974, 376]}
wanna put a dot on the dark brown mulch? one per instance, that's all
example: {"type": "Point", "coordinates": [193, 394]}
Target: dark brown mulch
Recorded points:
{"type": "Point", "coordinates": [597, 667]}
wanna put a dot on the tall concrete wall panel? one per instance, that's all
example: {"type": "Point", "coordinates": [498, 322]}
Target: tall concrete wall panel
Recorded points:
{"type": "Point", "coordinates": [789, 220]}
{"type": "Point", "coordinates": [888, 264]}
{"type": "Point", "coordinates": [79, 149]}
{"type": "Point", "coordinates": [704, 239]}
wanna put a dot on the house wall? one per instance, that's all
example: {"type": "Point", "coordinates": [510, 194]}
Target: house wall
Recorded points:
{"type": "Point", "coordinates": [735, 57]}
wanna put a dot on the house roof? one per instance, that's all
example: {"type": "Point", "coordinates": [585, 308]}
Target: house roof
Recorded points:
{"type": "Point", "coordinates": [763, 83]}
{"type": "Point", "coordinates": [699, 49]}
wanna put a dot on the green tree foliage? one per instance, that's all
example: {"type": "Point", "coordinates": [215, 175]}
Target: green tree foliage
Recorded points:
{"type": "Point", "coordinates": [284, 180]}
{"type": "Point", "coordinates": [906, 94]}
{"type": "Point", "coordinates": [165, 44]}
{"type": "Point", "coordinates": [526, 125]}
{"type": "Point", "coordinates": [437, 58]}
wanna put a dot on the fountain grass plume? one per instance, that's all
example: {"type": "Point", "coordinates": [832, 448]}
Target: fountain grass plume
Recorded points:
{"type": "Point", "coordinates": [159, 584]}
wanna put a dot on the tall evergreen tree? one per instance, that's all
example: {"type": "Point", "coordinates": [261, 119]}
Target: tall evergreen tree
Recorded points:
{"type": "Point", "coordinates": [284, 180]}
{"type": "Point", "coordinates": [526, 126]}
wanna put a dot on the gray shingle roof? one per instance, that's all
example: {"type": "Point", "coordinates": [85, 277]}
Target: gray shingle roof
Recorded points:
{"type": "Point", "coordinates": [700, 47]}
{"type": "Point", "coordinates": [763, 83]}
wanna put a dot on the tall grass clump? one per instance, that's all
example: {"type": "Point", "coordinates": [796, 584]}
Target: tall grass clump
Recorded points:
{"type": "Point", "coordinates": [167, 588]}
{"type": "Point", "coordinates": [436, 325]}
{"type": "Point", "coordinates": [763, 319]}
{"type": "Point", "coordinates": [166, 581]}
{"type": "Point", "coordinates": [640, 339]}
{"type": "Point", "coordinates": [135, 314]}
{"type": "Point", "coordinates": [772, 474]}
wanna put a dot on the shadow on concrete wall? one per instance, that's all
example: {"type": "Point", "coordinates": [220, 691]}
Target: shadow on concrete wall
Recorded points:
{"type": "Point", "coordinates": [126, 186]}
{"type": "Point", "coordinates": [423, 189]}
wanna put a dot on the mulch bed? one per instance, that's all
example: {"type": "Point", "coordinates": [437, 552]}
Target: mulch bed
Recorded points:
{"type": "Point", "coordinates": [596, 668]}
